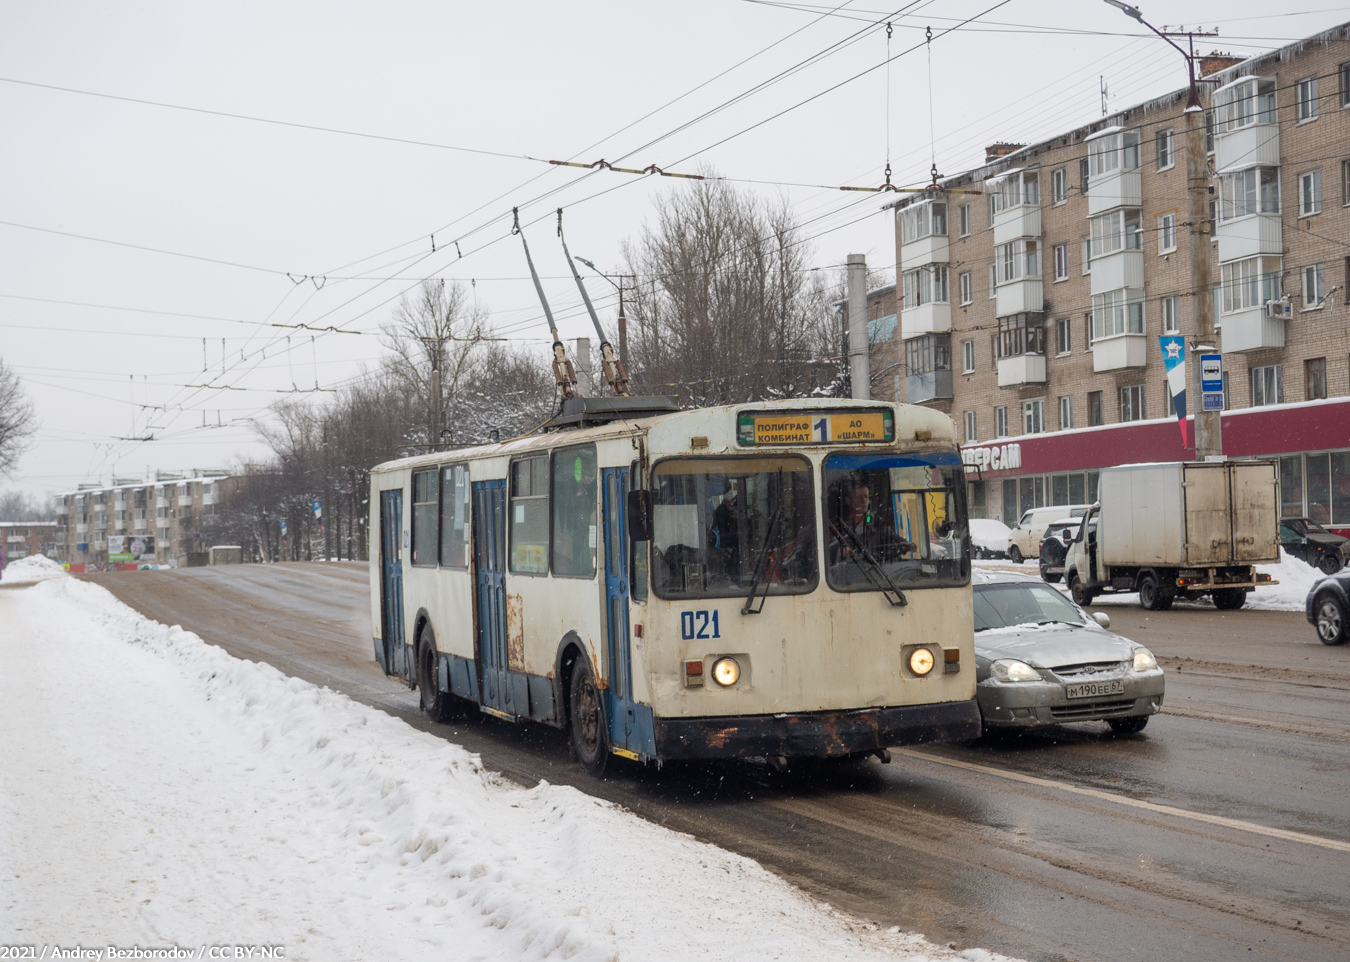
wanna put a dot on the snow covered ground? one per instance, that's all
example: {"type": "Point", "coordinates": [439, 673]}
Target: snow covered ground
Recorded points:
{"type": "Point", "coordinates": [1295, 578]}
{"type": "Point", "coordinates": [156, 791]}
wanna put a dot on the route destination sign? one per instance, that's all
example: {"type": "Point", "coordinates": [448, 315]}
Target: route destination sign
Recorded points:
{"type": "Point", "coordinates": [814, 427]}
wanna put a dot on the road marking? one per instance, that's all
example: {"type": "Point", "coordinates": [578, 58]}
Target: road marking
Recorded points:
{"type": "Point", "coordinates": [1133, 802]}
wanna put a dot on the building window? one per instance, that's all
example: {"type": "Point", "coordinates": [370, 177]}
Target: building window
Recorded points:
{"type": "Point", "coordinates": [971, 434]}
{"type": "Point", "coordinates": [1166, 149]}
{"type": "Point", "coordinates": [1132, 403]}
{"type": "Point", "coordinates": [529, 515]}
{"type": "Point", "coordinates": [967, 357]}
{"type": "Point", "coordinates": [927, 285]}
{"type": "Point", "coordinates": [1315, 378]}
{"type": "Point", "coordinates": [575, 519]}
{"type": "Point", "coordinates": [1167, 232]}
{"type": "Point", "coordinates": [1087, 256]}
{"type": "Point", "coordinates": [1313, 287]}
{"type": "Point", "coordinates": [1249, 283]}
{"type": "Point", "coordinates": [1033, 416]}
{"type": "Point", "coordinates": [1171, 401]}
{"type": "Point", "coordinates": [1305, 99]}
{"type": "Point", "coordinates": [1211, 123]}
{"type": "Point", "coordinates": [967, 287]}
{"type": "Point", "coordinates": [1345, 84]}
{"type": "Point", "coordinates": [1267, 385]}
{"type": "Point", "coordinates": [1108, 153]}
{"type": "Point", "coordinates": [1255, 190]}
{"type": "Point", "coordinates": [1117, 231]}
{"type": "Point", "coordinates": [1083, 169]}
{"type": "Point", "coordinates": [924, 219]}
{"type": "Point", "coordinates": [1021, 334]}
{"type": "Point", "coordinates": [1087, 329]}
{"type": "Point", "coordinates": [1345, 183]}
{"type": "Point", "coordinates": [1060, 180]}
{"type": "Point", "coordinates": [1171, 314]}
{"type": "Point", "coordinates": [1001, 421]}
{"type": "Point", "coordinates": [963, 220]}
{"type": "Point", "coordinates": [1062, 335]}
{"type": "Point", "coordinates": [1096, 411]}
{"type": "Point", "coordinates": [1017, 260]}
{"type": "Point", "coordinates": [993, 280]}
{"type": "Point", "coordinates": [1117, 312]}
{"type": "Point", "coordinates": [1310, 193]}
{"type": "Point", "coordinates": [1061, 262]}
{"type": "Point", "coordinates": [1066, 412]}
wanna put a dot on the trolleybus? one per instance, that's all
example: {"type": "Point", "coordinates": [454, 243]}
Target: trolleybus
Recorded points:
{"type": "Point", "coordinates": [777, 580]}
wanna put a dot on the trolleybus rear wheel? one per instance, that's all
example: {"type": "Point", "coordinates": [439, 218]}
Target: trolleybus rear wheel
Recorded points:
{"type": "Point", "coordinates": [590, 733]}
{"type": "Point", "coordinates": [439, 706]}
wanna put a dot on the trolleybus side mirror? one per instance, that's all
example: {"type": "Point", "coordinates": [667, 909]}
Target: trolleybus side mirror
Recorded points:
{"type": "Point", "coordinates": [639, 515]}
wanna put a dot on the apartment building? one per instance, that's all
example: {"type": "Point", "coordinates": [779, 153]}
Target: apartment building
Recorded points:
{"type": "Point", "coordinates": [134, 521]}
{"type": "Point", "coordinates": [23, 539]}
{"type": "Point", "coordinates": [1031, 311]}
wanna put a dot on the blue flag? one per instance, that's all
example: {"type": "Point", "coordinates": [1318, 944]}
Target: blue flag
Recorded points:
{"type": "Point", "coordinates": [1174, 361]}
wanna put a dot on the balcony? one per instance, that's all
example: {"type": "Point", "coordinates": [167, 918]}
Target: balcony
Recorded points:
{"type": "Point", "coordinates": [1011, 223]}
{"type": "Point", "coordinates": [1111, 272]}
{"type": "Point", "coordinates": [1249, 146]}
{"type": "Point", "coordinates": [62, 509]}
{"type": "Point", "coordinates": [1017, 297]}
{"type": "Point", "coordinates": [930, 318]}
{"type": "Point", "coordinates": [185, 501]}
{"type": "Point", "coordinates": [1249, 236]}
{"type": "Point", "coordinates": [930, 386]}
{"type": "Point", "coordinates": [928, 368]}
{"type": "Point", "coordinates": [1119, 351]}
{"type": "Point", "coordinates": [1250, 330]}
{"type": "Point", "coordinates": [1115, 188]}
{"type": "Point", "coordinates": [933, 249]}
{"type": "Point", "coordinates": [1021, 369]}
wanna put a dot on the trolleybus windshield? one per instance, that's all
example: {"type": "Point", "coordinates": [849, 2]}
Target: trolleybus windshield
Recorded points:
{"type": "Point", "coordinates": [895, 519]}
{"type": "Point", "coordinates": [720, 525]}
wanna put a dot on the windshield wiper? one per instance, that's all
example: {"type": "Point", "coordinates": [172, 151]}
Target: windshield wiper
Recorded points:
{"type": "Point", "coordinates": [872, 569]}
{"type": "Point", "coordinates": [761, 564]}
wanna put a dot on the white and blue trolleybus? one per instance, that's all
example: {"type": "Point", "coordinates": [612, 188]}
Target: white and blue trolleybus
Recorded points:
{"type": "Point", "coordinates": [779, 580]}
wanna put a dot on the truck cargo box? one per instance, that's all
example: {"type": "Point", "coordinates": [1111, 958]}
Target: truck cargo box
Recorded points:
{"type": "Point", "coordinates": [1180, 514]}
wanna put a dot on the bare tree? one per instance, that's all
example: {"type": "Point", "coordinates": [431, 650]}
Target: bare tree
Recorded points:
{"type": "Point", "coordinates": [17, 506]}
{"type": "Point", "coordinates": [725, 309]}
{"type": "Point", "coordinates": [17, 420]}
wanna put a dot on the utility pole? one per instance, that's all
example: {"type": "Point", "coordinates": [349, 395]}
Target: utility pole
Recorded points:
{"type": "Point", "coordinates": [859, 364]}
{"type": "Point", "coordinates": [1208, 424]}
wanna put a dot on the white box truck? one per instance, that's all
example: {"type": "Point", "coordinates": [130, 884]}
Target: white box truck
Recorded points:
{"type": "Point", "coordinates": [1179, 529]}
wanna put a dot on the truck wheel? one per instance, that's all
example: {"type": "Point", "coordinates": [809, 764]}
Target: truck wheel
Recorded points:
{"type": "Point", "coordinates": [1081, 596]}
{"type": "Point", "coordinates": [1014, 554]}
{"type": "Point", "coordinates": [1229, 599]}
{"type": "Point", "coordinates": [1153, 593]}
{"type": "Point", "coordinates": [439, 706]}
{"type": "Point", "coordinates": [590, 732]}
{"type": "Point", "coordinates": [1330, 620]}
{"type": "Point", "coordinates": [1329, 564]}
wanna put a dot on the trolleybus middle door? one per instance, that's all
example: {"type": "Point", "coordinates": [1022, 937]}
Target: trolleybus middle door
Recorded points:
{"type": "Point", "coordinates": [489, 545]}
{"type": "Point", "coordinates": [620, 692]}
{"type": "Point", "coordinates": [391, 582]}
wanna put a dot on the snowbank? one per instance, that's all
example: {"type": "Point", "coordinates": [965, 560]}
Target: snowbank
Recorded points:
{"type": "Point", "coordinates": [31, 570]}
{"type": "Point", "coordinates": [155, 790]}
{"type": "Point", "coordinates": [990, 534]}
{"type": "Point", "coordinates": [1295, 577]}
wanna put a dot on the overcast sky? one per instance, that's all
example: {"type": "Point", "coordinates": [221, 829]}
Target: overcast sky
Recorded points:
{"type": "Point", "coordinates": [111, 340]}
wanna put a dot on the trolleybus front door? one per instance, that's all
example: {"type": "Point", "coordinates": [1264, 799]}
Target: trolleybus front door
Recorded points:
{"type": "Point", "coordinates": [489, 546]}
{"type": "Point", "coordinates": [391, 582]}
{"type": "Point", "coordinates": [620, 692]}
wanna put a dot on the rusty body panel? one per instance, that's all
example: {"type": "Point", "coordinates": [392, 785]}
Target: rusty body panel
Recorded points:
{"type": "Point", "coordinates": [515, 632]}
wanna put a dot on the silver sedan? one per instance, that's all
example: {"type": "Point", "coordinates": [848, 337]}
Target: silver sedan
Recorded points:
{"type": "Point", "coordinates": [1042, 660]}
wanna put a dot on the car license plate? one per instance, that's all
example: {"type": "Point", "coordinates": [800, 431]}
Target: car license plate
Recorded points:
{"type": "Point", "coordinates": [1094, 689]}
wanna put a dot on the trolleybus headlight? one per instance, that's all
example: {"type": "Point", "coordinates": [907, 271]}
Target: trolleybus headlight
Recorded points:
{"type": "Point", "coordinates": [1144, 660]}
{"type": "Point", "coordinates": [1010, 669]}
{"type": "Point", "coordinates": [726, 672]}
{"type": "Point", "coordinates": [921, 661]}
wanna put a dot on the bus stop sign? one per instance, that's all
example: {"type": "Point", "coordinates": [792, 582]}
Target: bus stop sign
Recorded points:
{"type": "Point", "coordinates": [1211, 373]}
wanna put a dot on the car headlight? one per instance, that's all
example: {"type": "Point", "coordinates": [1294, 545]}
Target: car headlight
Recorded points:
{"type": "Point", "coordinates": [1010, 669]}
{"type": "Point", "coordinates": [921, 661]}
{"type": "Point", "coordinates": [726, 672]}
{"type": "Point", "coordinates": [1144, 660]}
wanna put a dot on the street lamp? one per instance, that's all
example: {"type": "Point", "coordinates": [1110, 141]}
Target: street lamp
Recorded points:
{"type": "Point", "coordinates": [623, 321]}
{"type": "Point", "coordinates": [1208, 426]}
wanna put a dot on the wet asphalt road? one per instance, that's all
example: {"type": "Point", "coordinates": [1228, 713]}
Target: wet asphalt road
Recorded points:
{"type": "Point", "coordinates": [1221, 832]}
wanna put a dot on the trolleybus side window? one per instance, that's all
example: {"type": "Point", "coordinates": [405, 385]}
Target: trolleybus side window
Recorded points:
{"type": "Point", "coordinates": [529, 515]}
{"type": "Point", "coordinates": [724, 525]}
{"type": "Point", "coordinates": [575, 517]}
{"type": "Point", "coordinates": [895, 520]}
{"type": "Point", "coordinates": [425, 506]}
{"type": "Point", "coordinates": [455, 516]}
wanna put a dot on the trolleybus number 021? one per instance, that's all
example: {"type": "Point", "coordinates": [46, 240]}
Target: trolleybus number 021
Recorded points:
{"type": "Point", "coordinates": [699, 624]}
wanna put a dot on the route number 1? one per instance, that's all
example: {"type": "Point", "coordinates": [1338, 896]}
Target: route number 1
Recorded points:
{"type": "Point", "coordinates": [821, 430]}
{"type": "Point", "coordinates": [695, 624]}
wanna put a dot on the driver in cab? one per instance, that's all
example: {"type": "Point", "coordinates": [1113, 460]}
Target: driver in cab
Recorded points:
{"type": "Point", "coordinates": [854, 527]}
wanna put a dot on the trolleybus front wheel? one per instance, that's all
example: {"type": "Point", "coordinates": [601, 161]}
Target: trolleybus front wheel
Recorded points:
{"type": "Point", "coordinates": [590, 734]}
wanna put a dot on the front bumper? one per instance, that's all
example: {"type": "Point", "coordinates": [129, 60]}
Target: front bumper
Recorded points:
{"type": "Point", "coordinates": [825, 734]}
{"type": "Point", "coordinates": [1031, 704]}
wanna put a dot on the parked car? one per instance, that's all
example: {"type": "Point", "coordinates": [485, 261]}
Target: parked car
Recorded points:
{"type": "Point", "coordinates": [1308, 541]}
{"type": "Point", "coordinates": [1042, 660]}
{"type": "Point", "coordinates": [1055, 547]}
{"type": "Point", "coordinates": [989, 538]}
{"type": "Point", "coordinates": [1024, 541]}
{"type": "Point", "coordinates": [1328, 608]}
